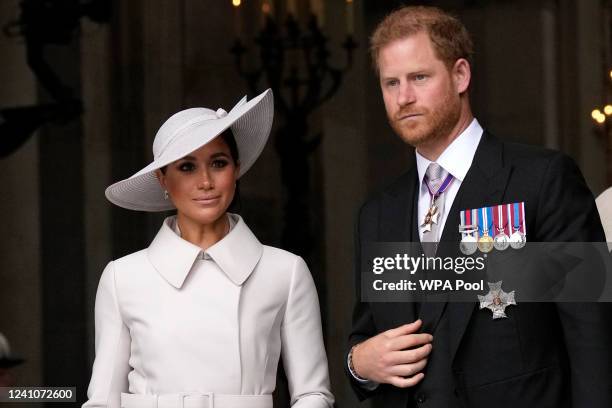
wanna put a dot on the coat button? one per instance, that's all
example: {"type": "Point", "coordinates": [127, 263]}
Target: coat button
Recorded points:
{"type": "Point", "coordinates": [421, 397]}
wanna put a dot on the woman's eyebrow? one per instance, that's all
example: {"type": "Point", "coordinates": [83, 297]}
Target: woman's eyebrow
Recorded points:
{"type": "Point", "coordinates": [219, 154]}
{"type": "Point", "coordinates": [212, 156]}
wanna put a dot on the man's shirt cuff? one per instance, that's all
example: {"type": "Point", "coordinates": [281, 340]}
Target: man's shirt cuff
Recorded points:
{"type": "Point", "coordinates": [363, 383]}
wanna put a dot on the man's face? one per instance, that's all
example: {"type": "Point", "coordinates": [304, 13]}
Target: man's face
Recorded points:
{"type": "Point", "coordinates": [420, 92]}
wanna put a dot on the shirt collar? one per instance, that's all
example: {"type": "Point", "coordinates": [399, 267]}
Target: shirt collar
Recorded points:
{"type": "Point", "coordinates": [458, 156]}
{"type": "Point", "coordinates": [173, 257]}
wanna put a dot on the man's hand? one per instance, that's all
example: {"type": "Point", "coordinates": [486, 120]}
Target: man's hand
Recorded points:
{"type": "Point", "coordinates": [394, 357]}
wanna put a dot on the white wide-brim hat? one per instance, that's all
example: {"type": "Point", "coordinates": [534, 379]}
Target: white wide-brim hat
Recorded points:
{"type": "Point", "coordinates": [188, 130]}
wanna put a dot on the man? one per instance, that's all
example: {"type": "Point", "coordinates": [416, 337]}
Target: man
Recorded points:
{"type": "Point", "coordinates": [452, 354]}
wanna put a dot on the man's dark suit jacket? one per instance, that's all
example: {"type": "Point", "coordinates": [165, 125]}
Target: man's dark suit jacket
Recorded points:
{"type": "Point", "coordinates": [543, 354]}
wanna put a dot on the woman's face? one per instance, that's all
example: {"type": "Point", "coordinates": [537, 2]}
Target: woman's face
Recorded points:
{"type": "Point", "coordinates": [202, 184]}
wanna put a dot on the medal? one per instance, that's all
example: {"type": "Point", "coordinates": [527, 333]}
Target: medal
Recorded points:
{"type": "Point", "coordinates": [518, 238]}
{"type": "Point", "coordinates": [501, 241]}
{"type": "Point", "coordinates": [432, 215]}
{"type": "Point", "coordinates": [496, 300]}
{"type": "Point", "coordinates": [468, 244]}
{"type": "Point", "coordinates": [485, 242]}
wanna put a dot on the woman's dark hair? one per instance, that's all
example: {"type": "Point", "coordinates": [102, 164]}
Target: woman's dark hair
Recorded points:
{"type": "Point", "coordinates": [228, 138]}
{"type": "Point", "coordinates": [230, 141]}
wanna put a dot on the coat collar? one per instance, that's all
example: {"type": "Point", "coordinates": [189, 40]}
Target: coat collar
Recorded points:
{"type": "Point", "coordinates": [173, 257]}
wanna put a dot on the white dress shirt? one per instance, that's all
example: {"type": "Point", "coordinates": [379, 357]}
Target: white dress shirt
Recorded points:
{"type": "Point", "coordinates": [455, 159]}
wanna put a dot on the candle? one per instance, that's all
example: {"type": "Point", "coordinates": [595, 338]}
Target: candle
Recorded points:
{"type": "Point", "coordinates": [322, 12]}
{"type": "Point", "coordinates": [292, 8]}
{"type": "Point", "coordinates": [317, 7]}
{"type": "Point", "coordinates": [237, 27]}
{"type": "Point", "coordinates": [267, 11]}
{"type": "Point", "coordinates": [350, 25]}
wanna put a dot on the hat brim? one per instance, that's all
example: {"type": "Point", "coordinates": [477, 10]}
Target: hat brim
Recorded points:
{"type": "Point", "coordinates": [250, 123]}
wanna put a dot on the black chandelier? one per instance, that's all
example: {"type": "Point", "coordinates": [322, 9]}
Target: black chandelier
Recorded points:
{"type": "Point", "coordinates": [42, 23]}
{"type": "Point", "coordinates": [294, 63]}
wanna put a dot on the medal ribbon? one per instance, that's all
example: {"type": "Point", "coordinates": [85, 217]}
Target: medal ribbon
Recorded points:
{"type": "Point", "coordinates": [468, 218]}
{"type": "Point", "coordinates": [507, 218]}
{"type": "Point", "coordinates": [517, 213]}
{"type": "Point", "coordinates": [517, 220]}
{"type": "Point", "coordinates": [522, 216]}
{"type": "Point", "coordinates": [447, 182]}
{"type": "Point", "coordinates": [489, 212]}
{"type": "Point", "coordinates": [498, 219]}
{"type": "Point", "coordinates": [503, 215]}
{"type": "Point", "coordinates": [434, 195]}
{"type": "Point", "coordinates": [483, 220]}
{"type": "Point", "coordinates": [509, 215]}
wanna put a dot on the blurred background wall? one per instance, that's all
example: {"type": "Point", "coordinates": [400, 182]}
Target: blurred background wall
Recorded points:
{"type": "Point", "coordinates": [108, 73]}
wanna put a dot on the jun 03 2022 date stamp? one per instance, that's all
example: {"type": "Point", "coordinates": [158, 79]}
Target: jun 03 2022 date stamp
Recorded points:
{"type": "Point", "coordinates": [37, 394]}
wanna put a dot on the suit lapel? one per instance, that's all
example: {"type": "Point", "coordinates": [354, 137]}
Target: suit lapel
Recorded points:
{"type": "Point", "coordinates": [395, 225]}
{"type": "Point", "coordinates": [397, 209]}
{"type": "Point", "coordinates": [484, 185]}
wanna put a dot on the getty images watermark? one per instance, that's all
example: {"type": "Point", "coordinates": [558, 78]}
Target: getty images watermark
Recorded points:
{"type": "Point", "coordinates": [538, 272]}
{"type": "Point", "coordinates": [419, 266]}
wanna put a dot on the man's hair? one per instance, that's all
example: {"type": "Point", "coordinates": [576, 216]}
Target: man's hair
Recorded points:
{"type": "Point", "coordinates": [449, 37]}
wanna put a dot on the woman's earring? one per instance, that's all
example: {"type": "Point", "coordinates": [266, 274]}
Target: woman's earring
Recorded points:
{"type": "Point", "coordinates": [165, 194]}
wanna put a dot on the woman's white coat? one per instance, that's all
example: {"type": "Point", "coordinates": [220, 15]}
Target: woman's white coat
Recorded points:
{"type": "Point", "coordinates": [173, 319]}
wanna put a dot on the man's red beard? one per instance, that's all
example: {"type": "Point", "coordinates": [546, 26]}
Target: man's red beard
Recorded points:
{"type": "Point", "coordinates": [430, 125]}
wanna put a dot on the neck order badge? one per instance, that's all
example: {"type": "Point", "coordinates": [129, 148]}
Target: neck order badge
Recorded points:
{"type": "Point", "coordinates": [432, 215]}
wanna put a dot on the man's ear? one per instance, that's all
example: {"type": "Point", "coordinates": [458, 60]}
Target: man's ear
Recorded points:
{"type": "Point", "coordinates": [462, 74]}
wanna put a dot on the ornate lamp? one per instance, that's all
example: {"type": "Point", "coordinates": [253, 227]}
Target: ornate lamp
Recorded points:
{"type": "Point", "coordinates": [294, 62]}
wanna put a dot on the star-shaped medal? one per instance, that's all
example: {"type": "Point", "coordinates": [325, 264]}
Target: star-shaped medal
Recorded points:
{"type": "Point", "coordinates": [430, 218]}
{"type": "Point", "coordinates": [497, 300]}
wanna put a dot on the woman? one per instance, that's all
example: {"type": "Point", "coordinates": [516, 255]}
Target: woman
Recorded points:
{"type": "Point", "coordinates": [201, 317]}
